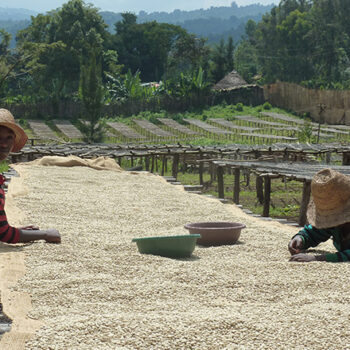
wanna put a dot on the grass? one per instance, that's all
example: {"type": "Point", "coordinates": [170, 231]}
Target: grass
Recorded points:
{"type": "Point", "coordinates": [285, 196]}
{"type": "Point", "coordinates": [223, 111]}
{"type": "Point", "coordinates": [227, 112]}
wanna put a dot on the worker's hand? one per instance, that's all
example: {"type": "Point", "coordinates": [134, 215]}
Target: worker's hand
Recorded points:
{"type": "Point", "coordinates": [295, 245]}
{"type": "Point", "coordinates": [52, 236]}
{"type": "Point", "coordinates": [29, 227]}
{"type": "Point", "coordinates": [303, 258]}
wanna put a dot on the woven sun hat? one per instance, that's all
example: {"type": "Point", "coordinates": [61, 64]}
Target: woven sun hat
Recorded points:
{"type": "Point", "coordinates": [7, 120]}
{"type": "Point", "coordinates": [329, 204]}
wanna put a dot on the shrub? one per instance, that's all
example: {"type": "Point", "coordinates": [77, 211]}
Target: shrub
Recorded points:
{"type": "Point", "coordinates": [306, 133]}
{"type": "Point", "coordinates": [267, 105]}
{"type": "Point", "coordinates": [307, 116]}
{"type": "Point", "coordinates": [178, 118]}
{"type": "Point", "coordinates": [239, 107]}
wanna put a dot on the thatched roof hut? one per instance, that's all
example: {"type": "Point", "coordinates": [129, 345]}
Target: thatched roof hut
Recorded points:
{"type": "Point", "coordinates": [231, 81]}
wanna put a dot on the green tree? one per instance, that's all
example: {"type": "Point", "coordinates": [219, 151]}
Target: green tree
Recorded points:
{"type": "Point", "coordinates": [296, 52]}
{"type": "Point", "coordinates": [245, 61]}
{"type": "Point", "coordinates": [59, 42]}
{"type": "Point", "coordinates": [5, 67]}
{"type": "Point", "coordinates": [219, 60]}
{"type": "Point", "coordinates": [187, 55]}
{"type": "Point", "coordinates": [222, 59]}
{"type": "Point", "coordinates": [230, 48]}
{"type": "Point", "coordinates": [302, 41]}
{"type": "Point", "coordinates": [280, 43]}
{"type": "Point", "coordinates": [91, 94]}
{"type": "Point", "coordinates": [245, 58]}
{"type": "Point", "coordinates": [10, 64]}
{"type": "Point", "coordinates": [146, 47]}
{"type": "Point", "coordinates": [328, 39]}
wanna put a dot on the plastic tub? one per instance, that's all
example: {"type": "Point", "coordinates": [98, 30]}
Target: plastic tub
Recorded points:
{"type": "Point", "coordinates": [168, 246]}
{"type": "Point", "coordinates": [216, 233]}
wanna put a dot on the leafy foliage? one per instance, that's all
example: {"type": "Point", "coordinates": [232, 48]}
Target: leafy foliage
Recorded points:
{"type": "Point", "coordinates": [59, 43]}
{"type": "Point", "coordinates": [306, 133]}
{"type": "Point", "coordinates": [267, 105]}
{"type": "Point", "coordinates": [145, 47]}
{"type": "Point", "coordinates": [300, 41]}
{"type": "Point", "coordinates": [91, 94]}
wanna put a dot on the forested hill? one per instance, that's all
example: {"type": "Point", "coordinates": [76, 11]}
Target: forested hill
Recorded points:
{"type": "Point", "coordinates": [213, 23]}
{"type": "Point", "coordinates": [13, 20]}
{"type": "Point", "coordinates": [10, 14]}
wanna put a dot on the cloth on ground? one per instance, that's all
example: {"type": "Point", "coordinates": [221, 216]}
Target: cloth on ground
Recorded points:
{"type": "Point", "coordinates": [100, 163]}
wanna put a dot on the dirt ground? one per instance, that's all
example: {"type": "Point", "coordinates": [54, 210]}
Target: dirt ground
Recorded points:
{"type": "Point", "coordinates": [95, 291]}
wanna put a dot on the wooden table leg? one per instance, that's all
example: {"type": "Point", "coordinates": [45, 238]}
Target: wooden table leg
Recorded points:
{"type": "Point", "coordinates": [152, 164]}
{"type": "Point", "coordinates": [259, 189]}
{"type": "Point", "coordinates": [175, 167]}
{"type": "Point", "coordinates": [220, 175]}
{"type": "Point", "coordinates": [236, 186]}
{"type": "Point", "coordinates": [267, 196]}
{"type": "Point", "coordinates": [163, 165]}
{"type": "Point", "coordinates": [201, 167]}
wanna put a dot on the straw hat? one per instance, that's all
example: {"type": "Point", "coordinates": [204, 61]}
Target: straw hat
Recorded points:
{"type": "Point", "coordinates": [329, 205]}
{"type": "Point", "coordinates": [7, 120]}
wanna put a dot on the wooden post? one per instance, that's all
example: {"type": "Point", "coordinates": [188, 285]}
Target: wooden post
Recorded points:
{"type": "Point", "coordinates": [322, 108]}
{"type": "Point", "coordinates": [304, 202]}
{"type": "Point", "coordinates": [247, 177]}
{"type": "Point", "coordinates": [132, 161]}
{"type": "Point", "coordinates": [201, 166]}
{"type": "Point", "coordinates": [152, 163]}
{"type": "Point", "coordinates": [211, 172]}
{"type": "Point", "coordinates": [236, 186]}
{"type": "Point", "coordinates": [184, 163]}
{"type": "Point", "coordinates": [220, 176]}
{"type": "Point", "coordinates": [163, 165]}
{"type": "Point", "coordinates": [175, 167]}
{"type": "Point", "coordinates": [346, 158]}
{"type": "Point", "coordinates": [267, 195]}
{"type": "Point", "coordinates": [147, 163]}
{"type": "Point", "coordinates": [30, 156]}
{"type": "Point", "coordinates": [259, 189]}
{"type": "Point", "coordinates": [120, 161]}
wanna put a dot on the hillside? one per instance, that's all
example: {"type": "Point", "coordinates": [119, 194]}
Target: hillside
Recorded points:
{"type": "Point", "coordinates": [13, 20]}
{"type": "Point", "coordinates": [213, 23]}
{"type": "Point", "coordinates": [12, 14]}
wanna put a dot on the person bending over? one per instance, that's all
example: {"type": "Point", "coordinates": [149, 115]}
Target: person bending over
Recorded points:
{"type": "Point", "coordinates": [12, 139]}
{"type": "Point", "coordinates": [328, 215]}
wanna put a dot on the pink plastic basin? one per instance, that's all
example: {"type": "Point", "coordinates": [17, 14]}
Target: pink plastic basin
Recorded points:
{"type": "Point", "coordinates": [216, 233]}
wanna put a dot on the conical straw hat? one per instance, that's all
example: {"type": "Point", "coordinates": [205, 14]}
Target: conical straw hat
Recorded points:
{"type": "Point", "coordinates": [7, 120]}
{"type": "Point", "coordinates": [329, 205]}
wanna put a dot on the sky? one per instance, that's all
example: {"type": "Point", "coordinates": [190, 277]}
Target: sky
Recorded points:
{"type": "Point", "coordinates": [132, 5]}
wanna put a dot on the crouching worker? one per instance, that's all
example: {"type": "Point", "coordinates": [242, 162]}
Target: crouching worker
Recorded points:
{"type": "Point", "coordinates": [12, 139]}
{"type": "Point", "coordinates": [328, 215]}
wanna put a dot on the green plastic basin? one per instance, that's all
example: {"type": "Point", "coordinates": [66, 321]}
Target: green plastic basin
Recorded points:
{"type": "Point", "coordinates": [168, 246]}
